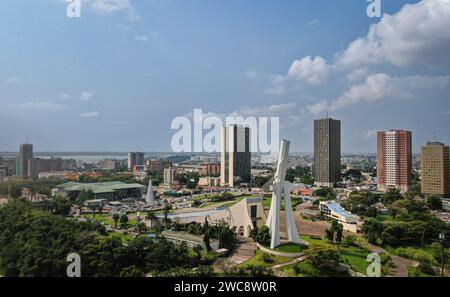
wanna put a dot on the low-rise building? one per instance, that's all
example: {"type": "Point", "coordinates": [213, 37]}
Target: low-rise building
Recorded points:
{"type": "Point", "coordinates": [209, 181]}
{"type": "Point", "coordinates": [110, 191]}
{"type": "Point", "coordinates": [189, 239]}
{"type": "Point", "coordinates": [333, 210]}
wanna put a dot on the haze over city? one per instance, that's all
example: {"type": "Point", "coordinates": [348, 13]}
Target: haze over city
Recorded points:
{"type": "Point", "coordinates": [114, 79]}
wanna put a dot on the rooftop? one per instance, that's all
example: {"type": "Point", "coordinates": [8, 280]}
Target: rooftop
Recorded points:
{"type": "Point", "coordinates": [106, 187]}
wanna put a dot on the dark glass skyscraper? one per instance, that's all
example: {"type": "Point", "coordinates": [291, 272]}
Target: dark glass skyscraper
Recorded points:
{"type": "Point", "coordinates": [25, 154]}
{"type": "Point", "coordinates": [327, 152]}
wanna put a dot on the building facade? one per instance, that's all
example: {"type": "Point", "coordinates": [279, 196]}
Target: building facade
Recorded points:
{"type": "Point", "coordinates": [135, 158]}
{"type": "Point", "coordinates": [327, 152]}
{"type": "Point", "coordinates": [394, 160]}
{"type": "Point", "coordinates": [436, 169]}
{"type": "Point", "coordinates": [235, 165]}
{"type": "Point", "coordinates": [36, 166]}
{"type": "Point", "coordinates": [25, 154]}
{"type": "Point", "coordinates": [169, 176]}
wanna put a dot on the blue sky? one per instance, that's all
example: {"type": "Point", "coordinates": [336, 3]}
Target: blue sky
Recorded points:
{"type": "Point", "coordinates": [116, 77]}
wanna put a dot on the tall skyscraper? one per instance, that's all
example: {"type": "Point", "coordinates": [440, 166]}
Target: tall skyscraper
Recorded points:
{"type": "Point", "coordinates": [327, 152]}
{"type": "Point", "coordinates": [25, 154]}
{"type": "Point", "coordinates": [394, 160]}
{"type": "Point", "coordinates": [235, 167]}
{"type": "Point", "coordinates": [436, 169]}
{"type": "Point", "coordinates": [135, 158]}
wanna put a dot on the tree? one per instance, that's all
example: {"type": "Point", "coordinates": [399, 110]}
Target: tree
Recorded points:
{"type": "Point", "coordinates": [434, 203]}
{"type": "Point", "coordinates": [60, 205]}
{"type": "Point", "coordinates": [123, 220]}
{"type": "Point", "coordinates": [116, 218]}
{"type": "Point", "coordinates": [263, 237]}
{"type": "Point", "coordinates": [198, 251]}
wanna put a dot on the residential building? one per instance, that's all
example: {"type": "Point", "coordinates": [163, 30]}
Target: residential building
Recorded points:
{"type": "Point", "coordinates": [327, 152]}
{"type": "Point", "coordinates": [394, 160]}
{"type": "Point", "coordinates": [235, 163]}
{"type": "Point", "coordinates": [435, 169]}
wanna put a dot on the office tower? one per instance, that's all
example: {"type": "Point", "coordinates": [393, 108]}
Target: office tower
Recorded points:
{"type": "Point", "coordinates": [169, 176]}
{"type": "Point", "coordinates": [235, 167]}
{"type": "Point", "coordinates": [25, 154]}
{"type": "Point", "coordinates": [436, 169]}
{"type": "Point", "coordinates": [135, 158]}
{"type": "Point", "coordinates": [327, 152]}
{"type": "Point", "coordinates": [394, 160]}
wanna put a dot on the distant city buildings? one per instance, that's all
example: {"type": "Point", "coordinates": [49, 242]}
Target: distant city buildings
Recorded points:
{"type": "Point", "coordinates": [135, 158]}
{"type": "Point", "coordinates": [435, 169]}
{"type": "Point", "coordinates": [394, 160]}
{"type": "Point", "coordinates": [109, 165]}
{"type": "Point", "coordinates": [37, 165]}
{"type": "Point", "coordinates": [155, 165]}
{"type": "Point", "coordinates": [327, 152]}
{"type": "Point", "coordinates": [235, 163]}
{"type": "Point", "coordinates": [210, 169]}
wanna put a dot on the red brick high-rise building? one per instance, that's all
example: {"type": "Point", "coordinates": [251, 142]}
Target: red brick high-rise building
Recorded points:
{"type": "Point", "coordinates": [394, 160]}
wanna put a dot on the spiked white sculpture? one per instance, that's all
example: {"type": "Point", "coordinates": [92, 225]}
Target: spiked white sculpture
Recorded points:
{"type": "Point", "coordinates": [280, 187]}
{"type": "Point", "coordinates": [150, 199]}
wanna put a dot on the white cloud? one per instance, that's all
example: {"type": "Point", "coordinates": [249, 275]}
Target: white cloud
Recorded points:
{"type": "Point", "coordinates": [381, 86]}
{"type": "Point", "coordinates": [86, 96]}
{"type": "Point", "coordinates": [91, 114]}
{"type": "Point", "coordinates": [112, 7]}
{"type": "Point", "coordinates": [265, 110]}
{"type": "Point", "coordinates": [418, 34]}
{"type": "Point", "coordinates": [314, 22]}
{"type": "Point", "coordinates": [357, 74]}
{"type": "Point", "coordinates": [318, 107]}
{"type": "Point", "coordinates": [251, 74]}
{"type": "Point", "coordinates": [47, 106]}
{"type": "Point", "coordinates": [64, 96]}
{"type": "Point", "coordinates": [312, 71]}
{"type": "Point", "coordinates": [141, 38]}
{"type": "Point", "coordinates": [371, 134]}
{"type": "Point", "coordinates": [12, 80]}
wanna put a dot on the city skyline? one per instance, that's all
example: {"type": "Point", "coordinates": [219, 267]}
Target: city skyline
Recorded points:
{"type": "Point", "coordinates": [312, 62]}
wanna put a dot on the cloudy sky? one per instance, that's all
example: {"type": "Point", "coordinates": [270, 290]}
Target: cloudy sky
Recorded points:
{"type": "Point", "coordinates": [116, 77]}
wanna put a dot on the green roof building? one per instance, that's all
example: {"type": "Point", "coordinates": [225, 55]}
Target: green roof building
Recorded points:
{"type": "Point", "coordinates": [110, 191]}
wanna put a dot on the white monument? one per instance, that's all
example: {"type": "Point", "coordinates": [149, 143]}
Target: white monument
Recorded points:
{"type": "Point", "coordinates": [150, 199]}
{"type": "Point", "coordinates": [282, 188]}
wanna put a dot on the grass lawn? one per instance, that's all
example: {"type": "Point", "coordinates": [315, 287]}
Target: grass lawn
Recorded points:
{"type": "Point", "coordinates": [290, 248]}
{"type": "Point", "coordinates": [354, 255]}
{"type": "Point", "coordinates": [258, 260]}
{"type": "Point", "coordinates": [107, 219]}
{"type": "Point", "coordinates": [290, 272]}
{"type": "Point", "coordinates": [126, 238]}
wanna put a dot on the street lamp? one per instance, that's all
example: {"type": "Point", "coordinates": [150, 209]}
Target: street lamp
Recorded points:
{"type": "Point", "coordinates": [442, 241]}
